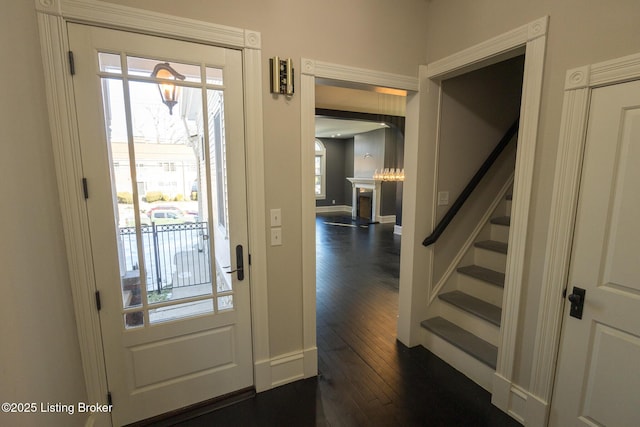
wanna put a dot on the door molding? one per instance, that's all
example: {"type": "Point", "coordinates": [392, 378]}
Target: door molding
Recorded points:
{"type": "Point", "coordinates": [52, 17]}
{"type": "Point", "coordinates": [312, 70]}
{"type": "Point", "coordinates": [530, 40]}
{"type": "Point", "coordinates": [579, 83]}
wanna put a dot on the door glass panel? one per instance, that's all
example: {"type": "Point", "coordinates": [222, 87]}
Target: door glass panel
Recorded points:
{"type": "Point", "coordinates": [220, 219]}
{"type": "Point", "coordinates": [144, 67]}
{"type": "Point", "coordinates": [170, 193]}
{"type": "Point", "coordinates": [124, 213]}
{"type": "Point", "coordinates": [214, 76]}
{"type": "Point", "coordinates": [110, 63]}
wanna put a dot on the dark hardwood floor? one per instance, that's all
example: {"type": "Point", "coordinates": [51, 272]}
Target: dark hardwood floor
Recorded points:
{"type": "Point", "coordinates": [366, 377]}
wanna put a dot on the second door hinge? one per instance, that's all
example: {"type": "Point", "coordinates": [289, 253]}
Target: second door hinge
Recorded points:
{"type": "Point", "coordinates": [109, 399]}
{"type": "Point", "coordinates": [72, 64]}
{"type": "Point", "coordinates": [85, 188]}
{"type": "Point", "coordinates": [98, 302]}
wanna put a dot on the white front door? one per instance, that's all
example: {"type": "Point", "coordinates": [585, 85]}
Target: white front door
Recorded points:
{"type": "Point", "coordinates": [598, 377]}
{"type": "Point", "coordinates": [167, 212]}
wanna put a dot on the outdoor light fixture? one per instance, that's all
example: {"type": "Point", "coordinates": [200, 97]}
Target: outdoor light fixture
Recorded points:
{"type": "Point", "coordinates": [168, 91]}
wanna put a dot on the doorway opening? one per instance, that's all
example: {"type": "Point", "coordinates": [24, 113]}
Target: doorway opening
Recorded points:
{"type": "Point", "coordinates": [358, 219]}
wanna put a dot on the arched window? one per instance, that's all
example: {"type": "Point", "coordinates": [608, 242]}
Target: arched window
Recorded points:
{"type": "Point", "coordinates": [320, 168]}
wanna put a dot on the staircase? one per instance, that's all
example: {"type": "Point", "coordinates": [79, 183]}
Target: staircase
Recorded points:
{"type": "Point", "coordinates": [465, 326]}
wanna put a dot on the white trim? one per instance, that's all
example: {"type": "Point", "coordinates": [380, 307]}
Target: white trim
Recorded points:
{"type": "Point", "coordinates": [529, 39]}
{"type": "Point", "coordinates": [397, 229]}
{"type": "Point", "coordinates": [343, 73]}
{"type": "Point", "coordinates": [578, 86]}
{"type": "Point", "coordinates": [308, 220]}
{"type": "Point", "coordinates": [52, 18]}
{"type": "Point", "coordinates": [522, 187]}
{"type": "Point", "coordinates": [386, 219]}
{"type": "Point", "coordinates": [310, 70]}
{"type": "Point", "coordinates": [491, 51]}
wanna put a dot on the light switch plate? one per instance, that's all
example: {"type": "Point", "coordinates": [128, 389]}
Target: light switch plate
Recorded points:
{"type": "Point", "coordinates": [276, 236]}
{"type": "Point", "coordinates": [276, 217]}
{"type": "Point", "coordinates": [443, 198]}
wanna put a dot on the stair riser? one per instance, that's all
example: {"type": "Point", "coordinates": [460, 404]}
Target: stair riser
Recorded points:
{"type": "Point", "coordinates": [500, 233]}
{"type": "Point", "coordinates": [490, 259]}
{"type": "Point", "coordinates": [477, 371]}
{"type": "Point", "coordinates": [471, 323]}
{"type": "Point", "coordinates": [480, 289]}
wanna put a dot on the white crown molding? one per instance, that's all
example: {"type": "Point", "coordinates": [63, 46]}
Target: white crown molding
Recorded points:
{"type": "Point", "coordinates": [578, 86]}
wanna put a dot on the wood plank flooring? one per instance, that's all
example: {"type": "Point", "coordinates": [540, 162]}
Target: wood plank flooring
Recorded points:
{"type": "Point", "coordinates": [366, 377]}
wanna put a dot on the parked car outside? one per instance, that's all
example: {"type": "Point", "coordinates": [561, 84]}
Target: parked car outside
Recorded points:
{"type": "Point", "coordinates": [169, 216]}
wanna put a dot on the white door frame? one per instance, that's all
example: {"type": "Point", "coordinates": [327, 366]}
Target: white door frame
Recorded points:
{"type": "Point", "coordinates": [352, 77]}
{"type": "Point", "coordinates": [52, 18]}
{"type": "Point", "coordinates": [579, 83]}
{"type": "Point", "coordinates": [419, 213]}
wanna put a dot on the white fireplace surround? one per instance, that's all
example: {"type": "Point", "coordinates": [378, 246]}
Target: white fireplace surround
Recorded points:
{"type": "Point", "coordinates": [366, 184]}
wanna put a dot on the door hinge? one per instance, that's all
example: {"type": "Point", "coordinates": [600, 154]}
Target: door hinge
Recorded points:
{"type": "Point", "coordinates": [72, 64]}
{"type": "Point", "coordinates": [98, 302]}
{"type": "Point", "coordinates": [249, 259]}
{"type": "Point", "coordinates": [109, 400]}
{"type": "Point", "coordinates": [85, 188]}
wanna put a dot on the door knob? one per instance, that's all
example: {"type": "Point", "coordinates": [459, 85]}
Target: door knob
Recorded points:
{"type": "Point", "coordinates": [577, 302]}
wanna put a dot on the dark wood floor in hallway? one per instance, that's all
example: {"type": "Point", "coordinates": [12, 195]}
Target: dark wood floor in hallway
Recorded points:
{"type": "Point", "coordinates": [366, 377]}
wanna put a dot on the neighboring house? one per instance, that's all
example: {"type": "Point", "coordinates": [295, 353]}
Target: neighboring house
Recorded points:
{"type": "Point", "coordinates": [40, 354]}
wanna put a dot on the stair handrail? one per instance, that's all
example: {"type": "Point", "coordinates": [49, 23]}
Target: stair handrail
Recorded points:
{"type": "Point", "coordinates": [473, 183]}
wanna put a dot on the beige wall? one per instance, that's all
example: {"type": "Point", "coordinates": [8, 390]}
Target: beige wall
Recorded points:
{"type": "Point", "coordinates": [580, 32]}
{"type": "Point", "coordinates": [39, 352]}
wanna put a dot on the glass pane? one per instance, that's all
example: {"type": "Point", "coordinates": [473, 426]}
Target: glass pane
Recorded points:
{"type": "Point", "coordinates": [318, 165]}
{"type": "Point", "coordinates": [125, 209]}
{"type": "Point", "coordinates": [144, 67]}
{"type": "Point", "coordinates": [214, 76]}
{"type": "Point", "coordinates": [225, 302]}
{"type": "Point", "coordinates": [217, 152]}
{"type": "Point", "coordinates": [134, 319]}
{"type": "Point", "coordinates": [179, 311]}
{"type": "Point", "coordinates": [109, 63]}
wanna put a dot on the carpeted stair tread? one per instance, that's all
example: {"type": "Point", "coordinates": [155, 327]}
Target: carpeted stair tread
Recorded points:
{"type": "Point", "coordinates": [464, 340]}
{"type": "Point", "coordinates": [473, 305]}
{"type": "Point", "coordinates": [482, 273]}
{"type": "Point", "coordinates": [492, 245]}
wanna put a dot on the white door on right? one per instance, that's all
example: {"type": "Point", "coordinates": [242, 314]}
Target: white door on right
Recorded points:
{"type": "Point", "coordinates": [598, 375]}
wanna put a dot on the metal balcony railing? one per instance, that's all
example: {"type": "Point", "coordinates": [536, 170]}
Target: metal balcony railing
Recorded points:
{"type": "Point", "coordinates": [174, 255]}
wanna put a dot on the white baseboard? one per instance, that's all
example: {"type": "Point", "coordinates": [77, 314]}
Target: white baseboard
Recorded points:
{"type": "Point", "coordinates": [285, 369]}
{"type": "Point", "coordinates": [333, 209]}
{"type": "Point", "coordinates": [387, 219]}
{"type": "Point", "coordinates": [397, 230]}
{"type": "Point", "coordinates": [519, 403]}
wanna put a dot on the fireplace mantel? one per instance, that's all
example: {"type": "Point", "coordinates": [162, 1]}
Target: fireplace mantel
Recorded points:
{"type": "Point", "coordinates": [367, 184]}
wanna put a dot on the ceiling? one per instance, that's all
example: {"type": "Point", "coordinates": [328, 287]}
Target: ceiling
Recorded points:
{"type": "Point", "coordinates": [327, 127]}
